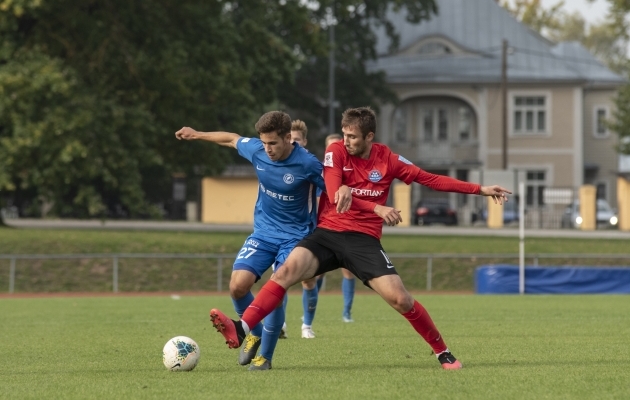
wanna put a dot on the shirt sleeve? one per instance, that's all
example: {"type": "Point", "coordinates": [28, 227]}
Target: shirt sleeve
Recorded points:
{"type": "Point", "coordinates": [314, 173]}
{"type": "Point", "coordinates": [246, 147]}
{"type": "Point", "coordinates": [407, 172]}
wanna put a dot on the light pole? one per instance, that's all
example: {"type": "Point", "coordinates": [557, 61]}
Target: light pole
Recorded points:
{"type": "Point", "coordinates": [331, 71]}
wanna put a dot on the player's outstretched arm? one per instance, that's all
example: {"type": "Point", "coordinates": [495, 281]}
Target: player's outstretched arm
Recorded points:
{"type": "Point", "coordinates": [498, 194]}
{"type": "Point", "coordinates": [226, 139]}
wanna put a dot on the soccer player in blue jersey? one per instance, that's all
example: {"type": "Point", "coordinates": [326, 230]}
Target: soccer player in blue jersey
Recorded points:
{"type": "Point", "coordinates": [285, 212]}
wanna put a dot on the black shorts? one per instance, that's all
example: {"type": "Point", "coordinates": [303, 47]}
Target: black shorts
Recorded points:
{"type": "Point", "coordinates": [362, 254]}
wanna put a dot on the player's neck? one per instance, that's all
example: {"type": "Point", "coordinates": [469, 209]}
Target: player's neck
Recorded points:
{"type": "Point", "coordinates": [286, 153]}
{"type": "Point", "coordinates": [366, 154]}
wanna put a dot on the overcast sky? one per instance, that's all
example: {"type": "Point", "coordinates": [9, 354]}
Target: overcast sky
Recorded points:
{"type": "Point", "coordinates": [592, 12]}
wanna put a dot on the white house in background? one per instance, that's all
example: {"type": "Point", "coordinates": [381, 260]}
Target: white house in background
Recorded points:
{"type": "Point", "coordinates": [447, 74]}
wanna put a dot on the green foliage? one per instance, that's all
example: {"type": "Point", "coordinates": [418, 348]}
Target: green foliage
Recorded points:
{"type": "Point", "coordinates": [92, 92]}
{"type": "Point", "coordinates": [620, 122]}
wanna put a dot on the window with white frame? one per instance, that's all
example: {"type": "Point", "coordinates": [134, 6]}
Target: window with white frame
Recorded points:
{"type": "Point", "coordinates": [399, 123]}
{"type": "Point", "coordinates": [442, 125]}
{"type": "Point", "coordinates": [465, 123]}
{"type": "Point", "coordinates": [434, 123]}
{"type": "Point", "coordinates": [536, 183]}
{"type": "Point", "coordinates": [600, 129]}
{"type": "Point", "coordinates": [601, 190]}
{"type": "Point", "coordinates": [434, 49]}
{"type": "Point", "coordinates": [427, 124]}
{"type": "Point", "coordinates": [529, 114]}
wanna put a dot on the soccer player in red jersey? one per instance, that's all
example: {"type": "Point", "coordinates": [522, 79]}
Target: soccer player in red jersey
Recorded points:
{"type": "Point", "coordinates": [353, 237]}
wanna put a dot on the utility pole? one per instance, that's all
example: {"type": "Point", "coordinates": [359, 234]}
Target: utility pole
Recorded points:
{"type": "Point", "coordinates": [504, 111]}
{"type": "Point", "coordinates": [331, 71]}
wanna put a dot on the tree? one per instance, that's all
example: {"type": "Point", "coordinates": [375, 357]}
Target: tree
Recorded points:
{"type": "Point", "coordinates": [91, 92]}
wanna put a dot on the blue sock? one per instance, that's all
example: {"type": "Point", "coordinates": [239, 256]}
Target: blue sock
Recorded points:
{"type": "Point", "coordinates": [320, 282]}
{"type": "Point", "coordinates": [309, 302]}
{"type": "Point", "coordinates": [240, 305]}
{"type": "Point", "coordinates": [347, 288]}
{"type": "Point", "coordinates": [284, 303]}
{"type": "Point", "coordinates": [271, 332]}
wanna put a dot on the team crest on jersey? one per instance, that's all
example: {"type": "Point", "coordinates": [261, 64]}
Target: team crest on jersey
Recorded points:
{"type": "Point", "coordinates": [288, 179]}
{"type": "Point", "coordinates": [403, 159]}
{"type": "Point", "coordinates": [328, 160]}
{"type": "Point", "coordinates": [375, 176]}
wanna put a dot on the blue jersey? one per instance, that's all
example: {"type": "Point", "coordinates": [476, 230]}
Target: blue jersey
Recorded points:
{"type": "Point", "coordinates": [285, 208]}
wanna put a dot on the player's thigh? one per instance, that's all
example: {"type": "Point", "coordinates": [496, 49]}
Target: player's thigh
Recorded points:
{"type": "Point", "coordinates": [301, 264]}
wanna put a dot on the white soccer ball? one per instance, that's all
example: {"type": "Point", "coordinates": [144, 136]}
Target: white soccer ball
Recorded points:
{"type": "Point", "coordinates": [180, 353]}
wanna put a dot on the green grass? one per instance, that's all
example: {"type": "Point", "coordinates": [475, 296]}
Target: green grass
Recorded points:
{"type": "Point", "coordinates": [533, 347]}
{"type": "Point", "coordinates": [95, 275]}
{"type": "Point", "coordinates": [49, 241]}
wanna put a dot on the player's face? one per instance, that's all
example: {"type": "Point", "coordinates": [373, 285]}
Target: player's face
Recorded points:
{"type": "Point", "coordinates": [277, 147]}
{"type": "Point", "coordinates": [355, 143]}
{"type": "Point", "coordinates": [296, 136]}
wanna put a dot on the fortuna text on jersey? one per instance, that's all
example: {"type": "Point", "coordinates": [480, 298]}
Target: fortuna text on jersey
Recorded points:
{"type": "Point", "coordinates": [366, 192]}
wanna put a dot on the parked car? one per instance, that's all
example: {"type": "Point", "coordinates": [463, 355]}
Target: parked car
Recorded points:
{"type": "Point", "coordinates": [434, 211]}
{"type": "Point", "coordinates": [510, 213]}
{"type": "Point", "coordinates": [606, 216]}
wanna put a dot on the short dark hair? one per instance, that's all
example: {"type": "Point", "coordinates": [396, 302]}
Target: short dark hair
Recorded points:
{"type": "Point", "coordinates": [274, 121]}
{"type": "Point", "coordinates": [362, 117]}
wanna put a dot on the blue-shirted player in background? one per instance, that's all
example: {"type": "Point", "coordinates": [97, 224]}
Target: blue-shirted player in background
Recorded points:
{"type": "Point", "coordinates": [285, 212]}
{"type": "Point", "coordinates": [311, 287]}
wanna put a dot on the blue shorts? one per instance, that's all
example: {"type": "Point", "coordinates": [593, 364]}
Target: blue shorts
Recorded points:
{"type": "Point", "coordinates": [257, 255]}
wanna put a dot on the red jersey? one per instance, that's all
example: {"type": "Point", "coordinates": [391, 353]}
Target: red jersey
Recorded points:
{"type": "Point", "coordinates": [370, 180]}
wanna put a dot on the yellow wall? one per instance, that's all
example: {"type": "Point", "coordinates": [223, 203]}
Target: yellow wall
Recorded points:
{"type": "Point", "coordinates": [588, 195]}
{"type": "Point", "coordinates": [623, 201]}
{"type": "Point", "coordinates": [402, 202]}
{"type": "Point", "coordinates": [495, 214]}
{"type": "Point", "coordinates": [228, 200]}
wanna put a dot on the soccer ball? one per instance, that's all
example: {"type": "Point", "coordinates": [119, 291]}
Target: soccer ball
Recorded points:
{"type": "Point", "coordinates": [180, 353]}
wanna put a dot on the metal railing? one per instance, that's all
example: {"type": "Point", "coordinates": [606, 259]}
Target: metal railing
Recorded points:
{"type": "Point", "coordinates": [533, 257]}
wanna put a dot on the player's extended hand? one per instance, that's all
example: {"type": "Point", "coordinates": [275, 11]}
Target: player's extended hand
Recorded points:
{"type": "Point", "coordinates": [390, 215]}
{"type": "Point", "coordinates": [186, 133]}
{"type": "Point", "coordinates": [343, 199]}
{"type": "Point", "coordinates": [498, 194]}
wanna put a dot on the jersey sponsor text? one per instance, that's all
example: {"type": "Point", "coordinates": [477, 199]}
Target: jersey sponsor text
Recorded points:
{"type": "Point", "coordinates": [366, 192]}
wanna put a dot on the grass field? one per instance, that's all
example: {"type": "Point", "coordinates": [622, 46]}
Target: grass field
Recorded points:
{"type": "Point", "coordinates": [512, 347]}
{"type": "Point", "coordinates": [49, 241]}
{"type": "Point", "coordinates": [147, 275]}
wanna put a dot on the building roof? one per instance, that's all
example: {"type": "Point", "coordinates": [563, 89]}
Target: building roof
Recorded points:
{"type": "Point", "coordinates": [477, 28]}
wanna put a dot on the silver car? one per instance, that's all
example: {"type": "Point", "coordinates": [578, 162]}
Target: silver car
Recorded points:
{"type": "Point", "coordinates": [606, 216]}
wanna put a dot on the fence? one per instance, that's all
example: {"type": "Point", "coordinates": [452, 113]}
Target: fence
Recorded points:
{"type": "Point", "coordinates": [412, 267]}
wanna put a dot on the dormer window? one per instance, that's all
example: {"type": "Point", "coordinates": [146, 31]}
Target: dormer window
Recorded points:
{"type": "Point", "coordinates": [434, 49]}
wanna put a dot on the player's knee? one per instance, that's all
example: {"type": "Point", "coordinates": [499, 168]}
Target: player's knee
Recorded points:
{"type": "Point", "coordinates": [309, 283]}
{"type": "Point", "coordinates": [401, 302]}
{"type": "Point", "coordinates": [238, 290]}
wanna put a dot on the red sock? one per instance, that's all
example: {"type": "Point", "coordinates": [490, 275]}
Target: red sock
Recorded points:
{"type": "Point", "coordinates": [419, 318]}
{"type": "Point", "coordinates": [270, 295]}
